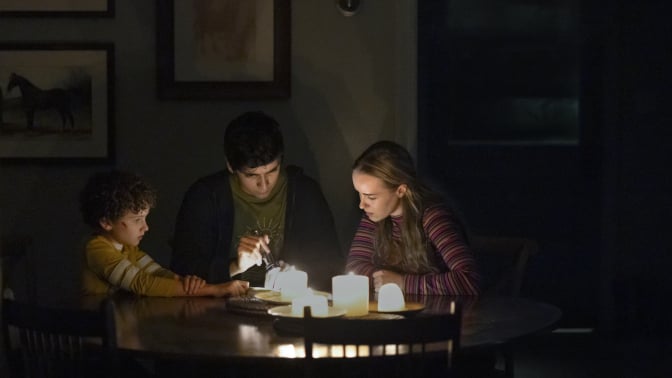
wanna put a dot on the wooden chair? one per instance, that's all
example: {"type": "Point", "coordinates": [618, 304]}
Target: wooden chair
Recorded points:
{"type": "Point", "coordinates": [17, 251]}
{"type": "Point", "coordinates": [419, 346]}
{"type": "Point", "coordinates": [503, 262]}
{"type": "Point", "coordinates": [50, 342]}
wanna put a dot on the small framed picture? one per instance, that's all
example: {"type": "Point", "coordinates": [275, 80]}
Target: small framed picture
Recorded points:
{"type": "Point", "coordinates": [229, 49]}
{"type": "Point", "coordinates": [56, 8]}
{"type": "Point", "coordinates": [56, 101]}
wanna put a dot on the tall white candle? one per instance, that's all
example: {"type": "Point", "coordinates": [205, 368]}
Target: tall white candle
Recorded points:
{"type": "Point", "coordinates": [351, 293]}
{"type": "Point", "coordinates": [293, 283]}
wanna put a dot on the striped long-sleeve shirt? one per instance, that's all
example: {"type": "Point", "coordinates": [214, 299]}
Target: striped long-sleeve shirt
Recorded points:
{"type": "Point", "coordinates": [106, 269]}
{"type": "Point", "coordinates": [458, 273]}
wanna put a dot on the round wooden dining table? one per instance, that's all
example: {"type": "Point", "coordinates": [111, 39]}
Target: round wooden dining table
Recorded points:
{"type": "Point", "coordinates": [239, 329]}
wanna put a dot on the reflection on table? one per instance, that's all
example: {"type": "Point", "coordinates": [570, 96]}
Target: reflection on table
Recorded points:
{"type": "Point", "coordinates": [217, 328]}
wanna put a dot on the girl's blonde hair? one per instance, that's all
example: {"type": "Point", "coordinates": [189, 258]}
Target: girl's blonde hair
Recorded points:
{"type": "Point", "coordinates": [393, 165]}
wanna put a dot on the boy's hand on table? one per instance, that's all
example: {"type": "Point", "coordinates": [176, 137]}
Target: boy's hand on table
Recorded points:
{"type": "Point", "coordinates": [192, 284]}
{"type": "Point", "coordinates": [233, 288]}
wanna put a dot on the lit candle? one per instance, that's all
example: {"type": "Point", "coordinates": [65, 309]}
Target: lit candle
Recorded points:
{"type": "Point", "coordinates": [271, 280]}
{"type": "Point", "coordinates": [293, 283]}
{"type": "Point", "coordinates": [351, 293]}
{"type": "Point", "coordinates": [317, 303]}
{"type": "Point", "coordinates": [390, 298]}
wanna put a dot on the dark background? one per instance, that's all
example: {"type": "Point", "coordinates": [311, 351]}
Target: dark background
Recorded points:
{"type": "Point", "coordinates": [587, 177]}
{"type": "Point", "coordinates": [590, 182]}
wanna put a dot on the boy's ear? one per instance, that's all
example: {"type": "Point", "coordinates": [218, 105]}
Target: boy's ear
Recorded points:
{"type": "Point", "coordinates": [228, 167]}
{"type": "Point", "coordinates": [105, 224]}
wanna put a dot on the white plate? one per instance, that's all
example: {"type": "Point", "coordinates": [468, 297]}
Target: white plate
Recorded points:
{"type": "Point", "coordinates": [274, 297]}
{"type": "Point", "coordinates": [286, 312]}
{"type": "Point", "coordinates": [411, 307]}
{"type": "Point", "coordinates": [258, 289]}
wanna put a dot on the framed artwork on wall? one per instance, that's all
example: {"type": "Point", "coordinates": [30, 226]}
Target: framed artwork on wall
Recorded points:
{"type": "Point", "coordinates": [55, 8]}
{"type": "Point", "coordinates": [228, 49]}
{"type": "Point", "coordinates": [56, 102]}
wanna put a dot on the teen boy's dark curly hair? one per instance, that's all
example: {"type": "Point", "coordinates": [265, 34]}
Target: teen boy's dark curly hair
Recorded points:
{"type": "Point", "coordinates": [110, 194]}
{"type": "Point", "coordinates": [251, 140]}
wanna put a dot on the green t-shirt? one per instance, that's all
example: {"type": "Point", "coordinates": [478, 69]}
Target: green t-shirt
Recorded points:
{"type": "Point", "coordinates": [267, 216]}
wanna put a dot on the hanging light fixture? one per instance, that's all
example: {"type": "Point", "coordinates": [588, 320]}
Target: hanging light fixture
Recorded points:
{"type": "Point", "coordinates": [348, 7]}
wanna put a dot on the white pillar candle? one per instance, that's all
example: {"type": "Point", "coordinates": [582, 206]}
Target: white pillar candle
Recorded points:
{"type": "Point", "coordinates": [351, 293]}
{"type": "Point", "coordinates": [317, 303]}
{"type": "Point", "coordinates": [271, 280]}
{"type": "Point", "coordinates": [293, 283]}
{"type": "Point", "coordinates": [390, 298]}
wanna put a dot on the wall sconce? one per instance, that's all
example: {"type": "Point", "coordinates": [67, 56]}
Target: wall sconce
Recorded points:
{"type": "Point", "coordinates": [348, 7]}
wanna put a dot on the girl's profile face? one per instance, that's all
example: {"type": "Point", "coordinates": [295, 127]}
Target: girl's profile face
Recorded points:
{"type": "Point", "coordinates": [377, 200]}
{"type": "Point", "coordinates": [128, 229]}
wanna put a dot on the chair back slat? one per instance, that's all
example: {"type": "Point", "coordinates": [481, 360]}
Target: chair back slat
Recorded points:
{"type": "Point", "coordinates": [422, 345]}
{"type": "Point", "coordinates": [503, 261]}
{"type": "Point", "coordinates": [56, 342]}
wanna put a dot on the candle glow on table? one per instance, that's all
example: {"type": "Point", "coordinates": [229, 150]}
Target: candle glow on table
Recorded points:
{"type": "Point", "coordinates": [317, 303]}
{"type": "Point", "coordinates": [390, 298]}
{"type": "Point", "coordinates": [351, 293]}
{"type": "Point", "coordinates": [292, 283]}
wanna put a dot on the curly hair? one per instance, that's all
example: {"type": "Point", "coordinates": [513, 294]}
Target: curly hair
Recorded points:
{"type": "Point", "coordinates": [109, 195]}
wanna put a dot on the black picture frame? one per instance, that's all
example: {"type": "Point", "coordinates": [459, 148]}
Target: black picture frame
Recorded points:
{"type": "Point", "coordinates": [57, 8]}
{"type": "Point", "coordinates": [57, 102]}
{"type": "Point", "coordinates": [200, 54]}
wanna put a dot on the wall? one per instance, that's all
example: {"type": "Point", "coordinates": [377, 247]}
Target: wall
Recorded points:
{"type": "Point", "coordinates": [352, 83]}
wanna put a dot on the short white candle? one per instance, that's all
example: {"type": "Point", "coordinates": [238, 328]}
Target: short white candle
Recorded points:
{"type": "Point", "coordinates": [317, 303]}
{"type": "Point", "coordinates": [390, 298]}
{"type": "Point", "coordinates": [293, 283]}
{"type": "Point", "coordinates": [351, 293]}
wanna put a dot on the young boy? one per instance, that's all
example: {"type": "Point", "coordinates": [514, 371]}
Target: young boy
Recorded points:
{"type": "Point", "coordinates": [116, 205]}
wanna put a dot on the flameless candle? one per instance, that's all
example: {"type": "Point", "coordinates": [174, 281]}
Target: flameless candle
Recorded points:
{"type": "Point", "coordinates": [271, 280]}
{"type": "Point", "coordinates": [293, 283]}
{"type": "Point", "coordinates": [317, 303]}
{"type": "Point", "coordinates": [390, 298]}
{"type": "Point", "coordinates": [351, 293]}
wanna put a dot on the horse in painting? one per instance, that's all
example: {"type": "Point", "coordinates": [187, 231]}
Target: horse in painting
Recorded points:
{"type": "Point", "coordinates": [34, 98]}
{"type": "Point", "coordinates": [2, 101]}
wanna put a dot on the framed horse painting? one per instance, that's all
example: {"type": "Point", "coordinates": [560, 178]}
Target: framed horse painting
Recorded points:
{"type": "Point", "coordinates": [225, 49]}
{"type": "Point", "coordinates": [56, 102]}
{"type": "Point", "coordinates": [56, 8]}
